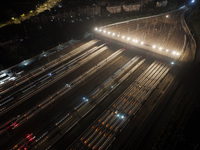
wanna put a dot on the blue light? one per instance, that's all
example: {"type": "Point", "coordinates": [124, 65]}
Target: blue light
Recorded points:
{"type": "Point", "coordinates": [67, 85]}
{"type": "Point", "coordinates": [85, 99]}
{"type": "Point", "coordinates": [49, 74]}
{"type": "Point", "coordinates": [192, 1]}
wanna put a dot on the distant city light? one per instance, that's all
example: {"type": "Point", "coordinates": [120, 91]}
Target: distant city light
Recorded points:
{"type": "Point", "coordinates": [167, 50]}
{"type": "Point", "coordinates": [104, 31]}
{"type": "Point", "coordinates": [141, 43]}
{"type": "Point", "coordinates": [113, 34]}
{"type": "Point", "coordinates": [167, 16]}
{"type": "Point", "coordinates": [128, 38]}
{"type": "Point", "coordinates": [160, 48]}
{"type": "Point", "coordinates": [96, 29]}
{"type": "Point", "coordinates": [172, 63]}
{"type": "Point", "coordinates": [154, 46]}
{"type": "Point", "coordinates": [109, 32]}
{"type": "Point", "coordinates": [123, 37]}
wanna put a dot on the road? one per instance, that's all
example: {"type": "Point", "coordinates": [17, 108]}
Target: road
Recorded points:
{"type": "Point", "coordinates": [88, 98]}
{"type": "Point", "coordinates": [166, 34]}
{"type": "Point", "coordinates": [66, 105]}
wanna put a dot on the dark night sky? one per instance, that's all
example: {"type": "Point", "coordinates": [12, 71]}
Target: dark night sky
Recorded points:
{"type": "Point", "coordinates": [14, 8]}
{"type": "Point", "coordinates": [10, 8]}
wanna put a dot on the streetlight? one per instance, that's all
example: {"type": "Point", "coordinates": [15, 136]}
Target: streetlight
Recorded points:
{"type": "Point", "coordinates": [173, 52]}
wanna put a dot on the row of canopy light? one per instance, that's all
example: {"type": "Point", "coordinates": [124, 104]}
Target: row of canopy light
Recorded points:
{"type": "Point", "coordinates": [174, 53]}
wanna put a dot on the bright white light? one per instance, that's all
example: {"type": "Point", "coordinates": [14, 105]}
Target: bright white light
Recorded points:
{"type": "Point", "coordinates": [177, 54]}
{"type": "Point", "coordinates": [173, 52]}
{"type": "Point", "coordinates": [160, 48]}
{"type": "Point", "coordinates": [167, 50]}
{"type": "Point", "coordinates": [192, 1]}
{"type": "Point", "coordinates": [128, 38]}
{"type": "Point", "coordinates": [154, 46]}
{"type": "Point", "coordinates": [109, 32]}
{"type": "Point", "coordinates": [141, 43]}
{"type": "Point", "coordinates": [133, 40]}
{"type": "Point", "coordinates": [12, 78]}
{"type": "Point", "coordinates": [104, 31]}
{"type": "Point", "coordinates": [118, 35]}
{"type": "Point", "coordinates": [113, 34]}
{"type": "Point", "coordinates": [123, 37]}
{"type": "Point", "coordinates": [3, 75]}
{"type": "Point", "coordinates": [117, 115]}
{"type": "Point", "coordinates": [122, 117]}
{"type": "Point", "coordinates": [167, 16]}
{"type": "Point", "coordinates": [136, 41]}
{"type": "Point", "coordinates": [172, 63]}
{"type": "Point", "coordinates": [100, 30]}
{"type": "Point", "coordinates": [96, 29]}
